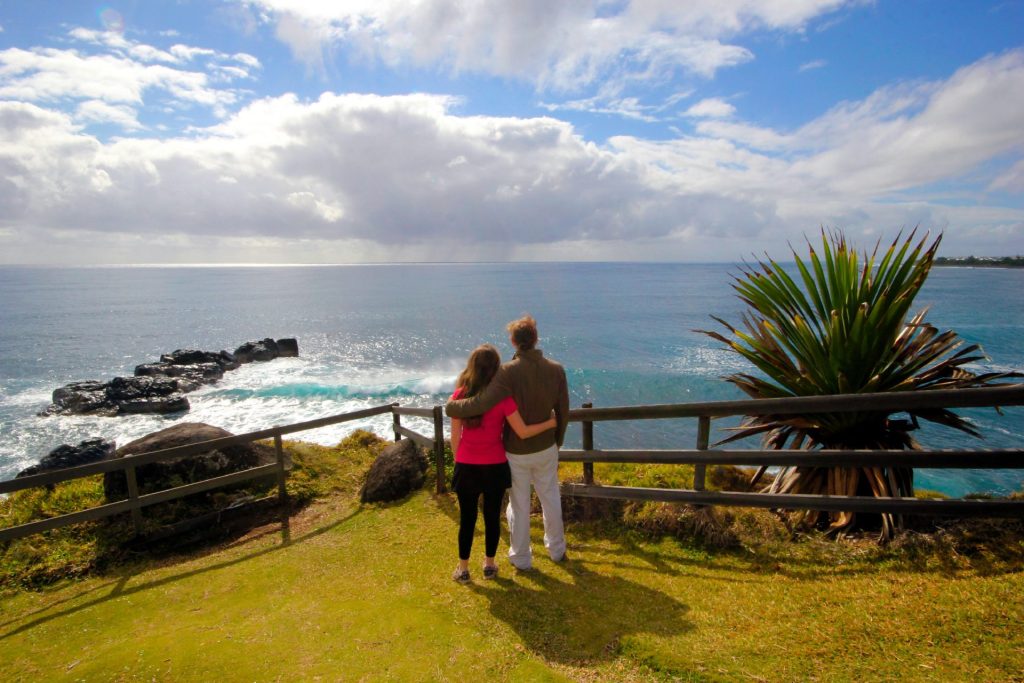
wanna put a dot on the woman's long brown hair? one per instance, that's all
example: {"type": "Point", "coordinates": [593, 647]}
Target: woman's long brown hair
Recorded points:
{"type": "Point", "coordinates": [480, 369]}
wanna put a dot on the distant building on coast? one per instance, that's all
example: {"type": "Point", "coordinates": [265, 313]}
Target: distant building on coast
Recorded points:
{"type": "Point", "coordinates": [981, 261]}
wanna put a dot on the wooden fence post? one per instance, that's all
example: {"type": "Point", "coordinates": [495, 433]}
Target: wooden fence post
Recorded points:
{"type": "Point", "coordinates": [133, 496]}
{"type": "Point", "coordinates": [439, 448]}
{"type": "Point", "coordinates": [703, 436]}
{"type": "Point", "coordinates": [588, 445]}
{"type": "Point", "coordinates": [588, 467]}
{"type": "Point", "coordinates": [282, 491]}
{"type": "Point", "coordinates": [397, 421]}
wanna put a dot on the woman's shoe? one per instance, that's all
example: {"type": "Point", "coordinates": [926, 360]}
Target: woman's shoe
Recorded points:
{"type": "Point", "coordinates": [491, 572]}
{"type": "Point", "coordinates": [461, 575]}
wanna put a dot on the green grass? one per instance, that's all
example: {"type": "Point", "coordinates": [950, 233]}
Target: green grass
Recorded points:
{"type": "Point", "coordinates": [363, 593]}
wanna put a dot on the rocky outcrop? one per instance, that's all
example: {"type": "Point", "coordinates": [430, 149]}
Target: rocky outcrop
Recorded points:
{"type": "Point", "coordinates": [159, 387]}
{"type": "Point", "coordinates": [288, 348]}
{"type": "Point", "coordinates": [119, 396]}
{"type": "Point", "coordinates": [398, 471]}
{"type": "Point", "coordinates": [166, 474]}
{"type": "Point", "coordinates": [90, 450]}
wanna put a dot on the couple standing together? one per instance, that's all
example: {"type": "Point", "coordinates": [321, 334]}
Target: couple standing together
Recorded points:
{"type": "Point", "coordinates": [507, 424]}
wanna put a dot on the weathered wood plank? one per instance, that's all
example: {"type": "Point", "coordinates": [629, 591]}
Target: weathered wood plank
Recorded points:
{"type": "Point", "coordinates": [421, 440]}
{"type": "Point", "coordinates": [182, 451]}
{"type": "Point", "coordinates": [415, 412]}
{"type": "Point", "coordinates": [89, 515]}
{"type": "Point", "coordinates": [933, 459]}
{"type": "Point", "coordinates": [109, 509]}
{"type": "Point", "coordinates": [1009, 395]}
{"type": "Point", "coordinates": [949, 508]}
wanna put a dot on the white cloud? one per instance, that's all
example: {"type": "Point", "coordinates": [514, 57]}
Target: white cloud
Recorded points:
{"type": "Point", "coordinates": [365, 172]}
{"type": "Point", "coordinates": [1012, 180]}
{"type": "Point", "coordinates": [123, 75]}
{"type": "Point", "coordinates": [97, 111]}
{"type": "Point", "coordinates": [711, 108]}
{"type": "Point", "coordinates": [626, 107]}
{"type": "Point", "coordinates": [561, 46]}
{"type": "Point", "coordinates": [814, 64]}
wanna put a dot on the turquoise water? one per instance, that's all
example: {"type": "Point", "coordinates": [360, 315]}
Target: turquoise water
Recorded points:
{"type": "Point", "coordinates": [375, 334]}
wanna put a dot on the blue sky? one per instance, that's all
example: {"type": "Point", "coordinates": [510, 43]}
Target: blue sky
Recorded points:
{"type": "Point", "coordinates": [376, 130]}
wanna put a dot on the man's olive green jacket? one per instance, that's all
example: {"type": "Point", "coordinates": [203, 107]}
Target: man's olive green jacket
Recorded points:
{"type": "Point", "coordinates": [538, 386]}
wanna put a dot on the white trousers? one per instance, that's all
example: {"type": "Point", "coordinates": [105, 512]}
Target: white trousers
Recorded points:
{"type": "Point", "coordinates": [541, 470]}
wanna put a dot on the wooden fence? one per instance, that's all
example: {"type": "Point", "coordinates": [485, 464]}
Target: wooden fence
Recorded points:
{"type": "Point", "coordinates": [277, 469]}
{"type": "Point", "coordinates": [701, 457]}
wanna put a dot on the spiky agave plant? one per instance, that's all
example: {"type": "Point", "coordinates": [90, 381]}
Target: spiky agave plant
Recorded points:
{"type": "Point", "coordinates": [845, 332]}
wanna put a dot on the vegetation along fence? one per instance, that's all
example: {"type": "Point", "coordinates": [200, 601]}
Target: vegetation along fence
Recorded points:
{"type": "Point", "coordinates": [700, 457]}
{"type": "Point", "coordinates": [135, 502]}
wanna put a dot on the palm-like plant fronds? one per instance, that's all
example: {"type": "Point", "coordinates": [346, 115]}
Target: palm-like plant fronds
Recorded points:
{"type": "Point", "coordinates": [845, 331]}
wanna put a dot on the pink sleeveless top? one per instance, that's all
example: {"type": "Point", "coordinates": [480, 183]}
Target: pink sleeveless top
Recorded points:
{"type": "Point", "coordinates": [484, 445]}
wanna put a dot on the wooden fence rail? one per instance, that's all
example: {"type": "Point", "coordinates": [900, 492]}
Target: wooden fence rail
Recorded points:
{"type": "Point", "coordinates": [135, 502]}
{"type": "Point", "coordinates": [702, 456]}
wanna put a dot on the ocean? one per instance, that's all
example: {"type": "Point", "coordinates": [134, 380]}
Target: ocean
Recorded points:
{"type": "Point", "coordinates": [374, 334]}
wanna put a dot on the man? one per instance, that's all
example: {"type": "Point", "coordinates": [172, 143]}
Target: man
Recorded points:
{"type": "Point", "coordinates": [538, 386]}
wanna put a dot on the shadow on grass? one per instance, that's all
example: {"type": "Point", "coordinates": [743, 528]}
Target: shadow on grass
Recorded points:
{"type": "Point", "coordinates": [584, 619]}
{"type": "Point", "coordinates": [957, 548]}
{"type": "Point", "coordinates": [119, 585]}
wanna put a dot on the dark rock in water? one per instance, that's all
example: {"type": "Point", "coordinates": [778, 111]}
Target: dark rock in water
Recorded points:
{"type": "Point", "coordinates": [90, 450]}
{"type": "Point", "coordinates": [397, 472]}
{"type": "Point", "coordinates": [225, 360]}
{"type": "Point", "coordinates": [80, 397]}
{"type": "Point", "coordinates": [121, 395]}
{"type": "Point", "coordinates": [194, 375]}
{"type": "Point", "coordinates": [288, 348]}
{"type": "Point", "coordinates": [263, 350]}
{"type": "Point", "coordinates": [162, 405]}
{"type": "Point", "coordinates": [158, 387]}
{"type": "Point", "coordinates": [188, 357]}
{"type": "Point", "coordinates": [166, 474]}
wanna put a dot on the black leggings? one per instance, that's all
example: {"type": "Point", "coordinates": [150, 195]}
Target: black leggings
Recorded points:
{"type": "Point", "coordinates": [468, 497]}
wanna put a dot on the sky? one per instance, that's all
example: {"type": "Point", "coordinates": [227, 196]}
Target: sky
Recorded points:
{"type": "Point", "coordinates": [331, 131]}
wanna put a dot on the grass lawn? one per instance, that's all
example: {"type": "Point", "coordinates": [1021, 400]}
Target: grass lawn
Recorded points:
{"type": "Point", "coordinates": [363, 593]}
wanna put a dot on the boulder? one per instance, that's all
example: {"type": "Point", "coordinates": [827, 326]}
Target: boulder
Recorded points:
{"type": "Point", "coordinates": [79, 398]}
{"type": "Point", "coordinates": [167, 474]}
{"type": "Point", "coordinates": [158, 387]}
{"type": "Point", "coordinates": [134, 395]}
{"type": "Point", "coordinates": [90, 450]}
{"type": "Point", "coordinates": [195, 375]}
{"type": "Point", "coordinates": [263, 350]}
{"type": "Point", "coordinates": [119, 396]}
{"type": "Point", "coordinates": [398, 471]}
{"type": "Point", "coordinates": [189, 357]}
{"type": "Point", "coordinates": [288, 348]}
{"type": "Point", "coordinates": [227, 361]}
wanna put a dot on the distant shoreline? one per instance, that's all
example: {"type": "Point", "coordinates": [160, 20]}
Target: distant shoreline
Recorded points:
{"type": "Point", "coordinates": [981, 261]}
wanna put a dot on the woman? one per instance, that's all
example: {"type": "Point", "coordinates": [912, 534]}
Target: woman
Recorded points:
{"type": "Point", "coordinates": [480, 462]}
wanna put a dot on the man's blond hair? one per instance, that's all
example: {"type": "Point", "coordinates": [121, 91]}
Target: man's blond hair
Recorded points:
{"type": "Point", "coordinates": [523, 332]}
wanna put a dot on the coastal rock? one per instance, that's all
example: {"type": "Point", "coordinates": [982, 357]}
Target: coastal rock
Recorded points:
{"type": "Point", "coordinates": [90, 450]}
{"type": "Point", "coordinates": [398, 471]}
{"type": "Point", "coordinates": [134, 395]}
{"type": "Point", "coordinates": [166, 474]}
{"type": "Point", "coordinates": [288, 347]}
{"type": "Point", "coordinates": [158, 387]}
{"type": "Point", "coordinates": [79, 398]}
{"type": "Point", "coordinates": [263, 350]}
{"type": "Point", "coordinates": [121, 395]}
{"type": "Point", "coordinates": [225, 360]}
{"type": "Point", "coordinates": [195, 374]}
